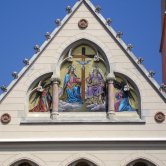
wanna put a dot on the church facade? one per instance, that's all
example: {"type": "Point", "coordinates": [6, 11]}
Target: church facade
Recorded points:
{"type": "Point", "coordinates": [83, 99]}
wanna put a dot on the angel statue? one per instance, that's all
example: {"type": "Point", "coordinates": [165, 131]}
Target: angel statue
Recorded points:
{"type": "Point", "coordinates": [124, 97]}
{"type": "Point", "coordinates": [42, 98]}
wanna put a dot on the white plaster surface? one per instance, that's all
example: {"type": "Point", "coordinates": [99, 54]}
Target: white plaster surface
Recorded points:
{"type": "Point", "coordinates": [15, 103]}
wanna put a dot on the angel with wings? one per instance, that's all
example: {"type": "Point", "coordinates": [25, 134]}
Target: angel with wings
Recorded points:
{"type": "Point", "coordinates": [42, 98]}
{"type": "Point", "coordinates": [125, 100]}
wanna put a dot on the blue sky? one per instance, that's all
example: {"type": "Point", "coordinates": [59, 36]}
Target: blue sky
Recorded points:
{"type": "Point", "coordinates": [24, 23]}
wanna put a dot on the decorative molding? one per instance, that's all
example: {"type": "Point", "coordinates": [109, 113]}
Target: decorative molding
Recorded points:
{"type": "Point", "coordinates": [82, 156]}
{"type": "Point", "coordinates": [111, 77]}
{"type": "Point", "coordinates": [143, 156]}
{"type": "Point", "coordinates": [159, 117]}
{"type": "Point", "coordinates": [94, 140]}
{"type": "Point", "coordinates": [83, 24]}
{"type": "Point", "coordinates": [55, 80]}
{"type": "Point", "coordinates": [83, 122]}
{"type": "Point", "coordinates": [5, 118]}
{"type": "Point", "coordinates": [26, 156]}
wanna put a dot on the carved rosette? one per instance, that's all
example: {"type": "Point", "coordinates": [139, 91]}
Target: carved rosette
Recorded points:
{"type": "Point", "coordinates": [83, 24]}
{"type": "Point", "coordinates": [159, 117]}
{"type": "Point", "coordinates": [5, 118]}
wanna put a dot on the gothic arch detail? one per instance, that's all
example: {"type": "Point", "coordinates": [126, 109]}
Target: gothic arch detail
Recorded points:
{"type": "Point", "coordinates": [24, 163]}
{"type": "Point", "coordinates": [141, 162]}
{"type": "Point", "coordinates": [80, 37]}
{"type": "Point", "coordinates": [40, 94]}
{"type": "Point", "coordinates": [20, 158]}
{"type": "Point", "coordinates": [83, 74]}
{"type": "Point", "coordinates": [86, 83]}
{"type": "Point", "coordinates": [127, 95]}
{"type": "Point", "coordinates": [82, 157]}
{"type": "Point", "coordinates": [82, 162]}
{"type": "Point", "coordinates": [142, 157]}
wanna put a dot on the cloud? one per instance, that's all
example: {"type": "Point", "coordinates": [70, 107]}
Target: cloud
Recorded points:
{"type": "Point", "coordinates": [64, 106]}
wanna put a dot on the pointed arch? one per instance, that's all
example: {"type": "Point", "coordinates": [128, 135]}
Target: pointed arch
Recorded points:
{"type": "Point", "coordinates": [24, 163]}
{"type": "Point", "coordinates": [135, 80]}
{"type": "Point", "coordinates": [133, 87]}
{"type": "Point", "coordinates": [141, 162]}
{"type": "Point", "coordinates": [81, 38]}
{"type": "Point", "coordinates": [82, 157]}
{"type": "Point", "coordinates": [43, 81]}
{"type": "Point", "coordinates": [72, 64]}
{"type": "Point", "coordinates": [24, 158]}
{"type": "Point", "coordinates": [147, 158]}
{"type": "Point", "coordinates": [90, 43]}
{"type": "Point", "coordinates": [82, 162]}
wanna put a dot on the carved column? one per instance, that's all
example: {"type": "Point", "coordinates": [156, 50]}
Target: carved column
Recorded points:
{"type": "Point", "coordinates": [111, 93]}
{"type": "Point", "coordinates": [55, 97]}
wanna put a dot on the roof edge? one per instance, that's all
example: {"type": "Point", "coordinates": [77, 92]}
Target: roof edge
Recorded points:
{"type": "Point", "coordinates": [42, 48]}
{"type": "Point", "coordinates": [111, 31]}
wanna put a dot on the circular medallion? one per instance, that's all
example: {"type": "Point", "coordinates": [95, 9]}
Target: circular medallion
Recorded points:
{"type": "Point", "coordinates": [5, 118]}
{"type": "Point", "coordinates": [83, 24]}
{"type": "Point", "coordinates": [159, 117]}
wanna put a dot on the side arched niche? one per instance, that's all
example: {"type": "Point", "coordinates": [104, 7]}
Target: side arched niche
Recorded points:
{"type": "Point", "coordinates": [39, 95]}
{"type": "Point", "coordinates": [127, 95]}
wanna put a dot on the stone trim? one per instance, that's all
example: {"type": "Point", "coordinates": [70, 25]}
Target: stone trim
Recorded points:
{"type": "Point", "coordinates": [82, 122]}
{"type": "Point", "coordinates": [24, 156]}
{"type": "Point", "coordinates": [82, 156]}
{"type": "Point", "coordinates": [139, 155]}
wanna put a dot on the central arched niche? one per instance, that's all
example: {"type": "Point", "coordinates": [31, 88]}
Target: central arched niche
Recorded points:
{"type": "Point", "coordinates": [83, 75]}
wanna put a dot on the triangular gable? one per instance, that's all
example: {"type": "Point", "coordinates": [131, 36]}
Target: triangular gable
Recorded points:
{"type": "Point", "coordinates": [112, 32]}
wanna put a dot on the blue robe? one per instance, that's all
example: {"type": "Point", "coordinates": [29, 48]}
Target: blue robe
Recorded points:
{"type": "Point", "coordinates": [123, 102]}
{"type": "Point", "coordinates": [125, 105]}
{"type": "Point", "coordinates": [73, 94]}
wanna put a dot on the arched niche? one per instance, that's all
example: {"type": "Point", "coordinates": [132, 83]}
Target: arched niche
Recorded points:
{"type": "Point", "coordinates": [141, 162]}
{"type": "Point", "coordinates": [40, 94]}
{"type": "Point", "coordinates": [87, 43]}
{"type": "Point", "coordinates": [83, 71]}
{"type": "Point", "coordinates": [82, 162]}
{"type": "Point", "coordinates": [127, 95]}
{"type": "Point", "coordinates": [24, 163]}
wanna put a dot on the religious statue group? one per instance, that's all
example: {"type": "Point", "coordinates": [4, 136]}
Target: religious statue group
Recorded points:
{"type": "Point", "coordinates": [95, 92]}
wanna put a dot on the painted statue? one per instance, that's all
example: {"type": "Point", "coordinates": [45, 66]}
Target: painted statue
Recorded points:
{"type": "Point", "coordinates": [124, 98]}
{"type": "Point", "coordinates": [95, 87]}
{"type": "Point", "coordinates": [42, 97]}
{"type": "Point", "coordinates": [71, 87]}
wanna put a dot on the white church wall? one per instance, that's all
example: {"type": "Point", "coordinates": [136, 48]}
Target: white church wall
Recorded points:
{"type": "Point", "coordinates": [15, 103]}
{"type": "Point", "coordinates": [100, 158]}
